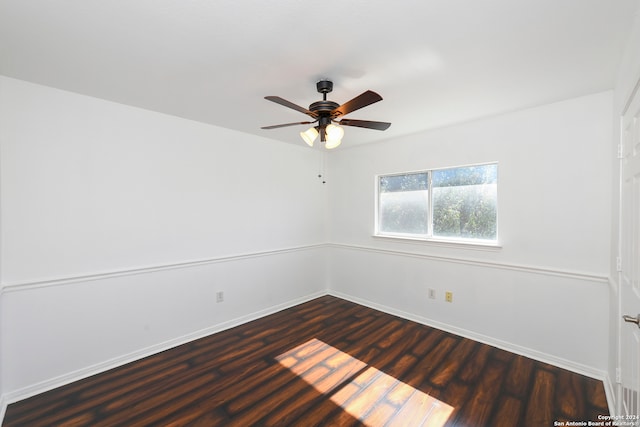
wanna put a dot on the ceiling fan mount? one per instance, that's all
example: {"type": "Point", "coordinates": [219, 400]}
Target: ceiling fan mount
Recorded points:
{"type": "Point", "coordinates": [326, 112]}
{"type": "Point", "coordinates": [324, 86]}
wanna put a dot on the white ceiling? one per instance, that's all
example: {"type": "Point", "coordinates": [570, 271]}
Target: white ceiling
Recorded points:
{"type": "Point", "coordinates": [435, 62]}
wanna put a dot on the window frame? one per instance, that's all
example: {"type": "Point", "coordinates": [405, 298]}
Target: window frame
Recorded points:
{"type": "Point", "coordinates": [429, 237]}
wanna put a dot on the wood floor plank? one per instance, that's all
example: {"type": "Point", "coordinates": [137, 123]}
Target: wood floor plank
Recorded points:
{"type": "Point", "coordinates": [128, 376]}
{"type": "Point", "coordinates": [269, 403]}
{"type": "Point", "coordinates": [451, 365]}
{"type": "Point", "coordinates": [196, 419]}
{"type": "Point", "coordinates": [456, 394]}
{"type": "Point", "coordinates": [402, 366]}
{"type": "Point", "coordinates": [509, 412]}
{"type": "Point", "coordinates": [138, 408]}
{"type": "Point", "coordinates": [475, 364]}
{"type": "Point", "coordinates": [432, 339]}
{"type": "Point", "coordinates": [428, 364]}
{"type": "Point", "coordinates": [381, 415]}
{"type": "Point", "coordinates": [485, 396]}
{"type": "Point", "coordinates": [294, 408]}
{"type": "Point", "coordinates": [519, 376]}
{"type": "Point", "coordinates": [414, 410]}
{"type": "Point", "coordinates": [540, 407]}
{"type": "Point", "coordinates": [327, 362]}
{"type": "Point", "coordinates": [595, 394]}
{"type": "Point", "coordinates": [570, 395]}
{"type": "Point", "coordinates": [375, 385]}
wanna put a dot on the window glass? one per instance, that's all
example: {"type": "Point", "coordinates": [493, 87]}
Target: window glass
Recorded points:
{"type": "Point", "coordinates": [445, 204]}
{"type": "Point", "coordinates": [404, 204]}
{"type": "Point", "coordinates": [465, 202]}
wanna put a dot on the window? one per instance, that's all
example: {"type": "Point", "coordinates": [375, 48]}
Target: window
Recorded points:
{"type": "Point", "coordinates": [455, 204]}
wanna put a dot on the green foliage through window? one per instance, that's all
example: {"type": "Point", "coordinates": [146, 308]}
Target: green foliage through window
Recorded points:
{"type": "Point", "coordinates": [408, 182]}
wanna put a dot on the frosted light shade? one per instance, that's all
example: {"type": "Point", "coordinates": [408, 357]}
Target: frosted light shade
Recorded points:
{"type": "Point", "coordinates": [332, 143]}
{"type": "Point", "coordinates": [335, 132]}
{"type": "Point", "coordinates": [309, 136]}
{"type": "Point", "coordinates": [334, 136]}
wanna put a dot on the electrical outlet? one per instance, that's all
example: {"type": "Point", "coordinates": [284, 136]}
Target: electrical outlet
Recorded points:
{"type": "Point", "coordinates": [448, 296]}
{"type": "Point", "coordinates": [219, 296]}
{"type": "Point", "coordinates": [432, 294]}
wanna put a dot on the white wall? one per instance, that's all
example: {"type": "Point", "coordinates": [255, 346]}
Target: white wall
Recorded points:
{"type": "Point", "coordinates": [544, 292]}
{"type": "Point", "coordinates": [95, 186]}
{"type": "Point", "coordinates": [118, 225]}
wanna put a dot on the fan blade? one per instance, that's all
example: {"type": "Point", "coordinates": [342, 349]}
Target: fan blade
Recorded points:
{"type": "Point", "coordinates": [362, 100]}
{"type": "Point", "coordinates": [285, 125]}
{"type": "Point", "coordinates": [289, 104]}
{"type": "Point", "coordinates": [365, 124]}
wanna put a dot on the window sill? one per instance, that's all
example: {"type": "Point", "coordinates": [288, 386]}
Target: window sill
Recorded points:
{"type": "Point", "coordinates": [460, 244]}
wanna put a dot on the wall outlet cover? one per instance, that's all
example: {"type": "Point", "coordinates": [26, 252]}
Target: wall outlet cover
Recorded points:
{"type": "Point", "coordinates": [448, 297]}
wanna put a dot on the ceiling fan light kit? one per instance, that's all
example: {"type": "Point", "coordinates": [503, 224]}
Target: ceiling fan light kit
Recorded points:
{"type": "Point", "coordinates": [335, 131]}
{"type": "Point", "coordinates": [325, 114]}
{"type": "Point", "coordinates": [309, 135]}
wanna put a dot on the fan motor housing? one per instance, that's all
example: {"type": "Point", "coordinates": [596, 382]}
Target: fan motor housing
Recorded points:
{"type": "Point", "coordinates": [325, 107]}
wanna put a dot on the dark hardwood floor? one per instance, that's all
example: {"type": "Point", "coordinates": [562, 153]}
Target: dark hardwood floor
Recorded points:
{"type": "Point", "coordinates": [327, 362]}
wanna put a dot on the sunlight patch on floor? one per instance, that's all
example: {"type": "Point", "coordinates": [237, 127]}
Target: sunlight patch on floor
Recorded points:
{"type": "Point", "coordinates": [363, 391]}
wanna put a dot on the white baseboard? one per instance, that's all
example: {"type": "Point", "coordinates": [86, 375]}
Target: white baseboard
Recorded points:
{"type": "Point", "coordinates": [3, 407]}
{"type": "Point", "coordinates": [504, 345]}
{"type": "Point", "coordinates": [79, 374]}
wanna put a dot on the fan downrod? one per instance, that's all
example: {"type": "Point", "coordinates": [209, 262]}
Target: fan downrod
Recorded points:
{"type": "Point", "coordinates": [323, 108]}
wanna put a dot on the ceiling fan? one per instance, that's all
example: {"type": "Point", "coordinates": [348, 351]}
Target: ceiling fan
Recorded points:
{"type": "Point", "coordinates": [325, 113]}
